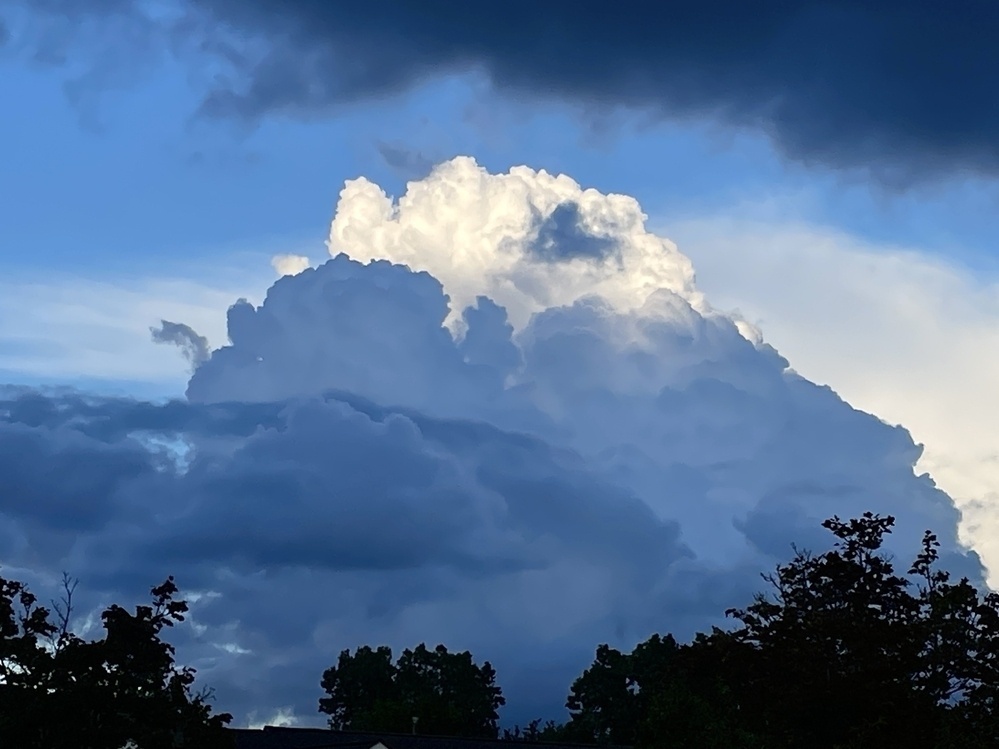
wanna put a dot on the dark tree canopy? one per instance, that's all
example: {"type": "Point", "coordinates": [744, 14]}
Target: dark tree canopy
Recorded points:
{"type": "Point", "coordinates": [58, 690]}
{"type": "Point", "coordinates": [660, 694]}
{"type": "Point", "coordinates": [842, 652]}
{"type": "Point", "coordinates": [447, 693]}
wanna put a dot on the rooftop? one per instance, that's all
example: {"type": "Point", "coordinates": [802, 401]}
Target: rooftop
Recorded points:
{"type": "Point", "coordinates": [275, 737]}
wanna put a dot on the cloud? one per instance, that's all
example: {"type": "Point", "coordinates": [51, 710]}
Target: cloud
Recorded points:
{"type": "Point", "coordinates": [520, 454]}
{"type": "Point", "coordinates": [479, 234]}
{"type": "Point", "coordinates": [469, 521]}
{"type": "Point", "coordinates": [194, 347]}
{"type": "Point", "coordinates": [895, 331]}
{"type": "Point", "coordinates": [409, 163]}
{"type": "Point", "coordinates": [898, 90]}
{"type": "Point", "coordinates": [102, 46]}
{"type": "Point", "coordinates": [290, 265]}
{"type": "Point", "coordinates": [94, 331]}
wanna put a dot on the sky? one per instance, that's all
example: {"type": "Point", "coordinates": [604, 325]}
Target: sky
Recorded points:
{"type": "Point", "coordinates": [519, 328]}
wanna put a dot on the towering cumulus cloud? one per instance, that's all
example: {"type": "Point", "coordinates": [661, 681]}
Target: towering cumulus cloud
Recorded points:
{"type": "Point", "coordinates": [501, 416]}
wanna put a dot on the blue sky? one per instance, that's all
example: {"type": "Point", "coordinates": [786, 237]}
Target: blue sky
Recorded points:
{"type": "Point", "coordinates": [125, 200]}
{"type": "Point", "coordinates": [140, 173]}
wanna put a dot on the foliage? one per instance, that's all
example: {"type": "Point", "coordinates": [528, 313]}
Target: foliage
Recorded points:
{"type": "Point", "coordinates": [536, 731]}
{"type": "Point", "coordinates": [58, 690]}
{"type": "Point", "coordinates": [447, 693]}
{"type": "Point", "coordinates": [660, 694]}
{"type": "Point", "coordinates": [843, 652]}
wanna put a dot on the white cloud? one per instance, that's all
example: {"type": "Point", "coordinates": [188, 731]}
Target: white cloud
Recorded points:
{"type": "Point", "coordinates": [290, 265]}
{"type": "Point", "coordinates": [485, 234]}
{"type": "Point", "coordinates": [283, 716]}
{"type": "Point", "coordinates": [898, 332]}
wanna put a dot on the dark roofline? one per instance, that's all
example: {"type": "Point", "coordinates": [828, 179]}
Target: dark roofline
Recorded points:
{"type": "Point", "coordinates": [377, 736]}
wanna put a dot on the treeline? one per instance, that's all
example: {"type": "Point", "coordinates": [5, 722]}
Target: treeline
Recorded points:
{"type": "Point", "coordinates": [842, 650]}
{"type": "Point", "coordinates": [58, 691]}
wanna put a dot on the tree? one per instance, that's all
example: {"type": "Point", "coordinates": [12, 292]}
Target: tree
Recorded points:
{"type": "Point", "coordinates": [860, 655]}
{"type": "Point", "coordinates": [842, 652]}
{"type": "Point", "coordinates": [606, 701]}
{"type": "Point", "coordinates": [446, 693]}
{"type": "Point", "coordinates": [58, 690]}
{"type": "Point", "coordinates": [535, 731]}
{"type": "Point", "coordinates": [660, 694]}
{"type": "Point", "coordinates": [360, 688]}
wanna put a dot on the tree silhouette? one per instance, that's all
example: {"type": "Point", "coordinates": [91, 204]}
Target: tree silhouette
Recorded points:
{"type": "Point", "coordinates": [446, 693]}
{"type": "Point", "coordinates": [534, 731]}
{"type": "Point", "coordinates": [58, 690]}
{"type": "Point", "coordinates": [842, 651]}
{"type": "Point", "coordinates": [660, 694]}
{"type": "Point", "coordinates": [863, 656]}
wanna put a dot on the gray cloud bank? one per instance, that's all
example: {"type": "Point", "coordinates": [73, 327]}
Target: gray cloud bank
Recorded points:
{"type": "Point", "coordinates": [898, 87]}
{"type": "Point", "coordinates": [350, 470]}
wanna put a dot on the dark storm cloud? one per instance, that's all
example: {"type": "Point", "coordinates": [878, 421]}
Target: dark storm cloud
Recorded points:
{"type": "Point", "coordinates": [369, 521]}
{"type": "Point", "coordinates": [903, 85]}
{"type": "Point", "coordinates": [86, 489]}
{"type": "Point", "coordinates": [904, 88]}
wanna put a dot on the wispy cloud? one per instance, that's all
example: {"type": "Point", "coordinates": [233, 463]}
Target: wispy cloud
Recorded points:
{"type": "Point", "coordinates": [72, 329]}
